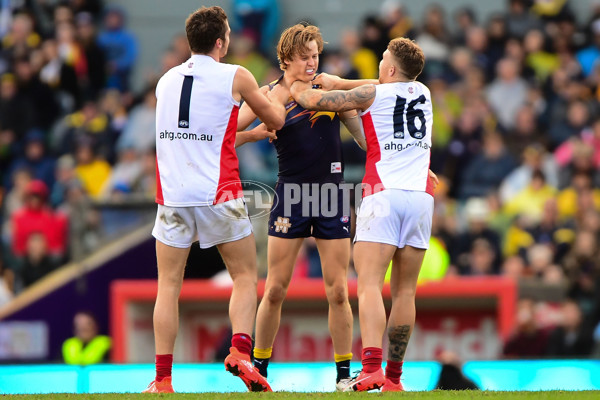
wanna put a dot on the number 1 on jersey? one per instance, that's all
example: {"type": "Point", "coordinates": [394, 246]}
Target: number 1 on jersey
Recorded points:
{"type": "Point", "coordinates": [184, 102]}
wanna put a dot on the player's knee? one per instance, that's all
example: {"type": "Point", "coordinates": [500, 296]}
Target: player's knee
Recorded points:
{"type": "Point", "coordinates": [244, 278]}
{"type": "Point", "coordinates": [405, 293]}
{"type": "Point", "coordinates": [337, 294]}
{"type": "Point", "coordinates": [170, 281]}
{"type": "Point", "coordinates": [276, 294]}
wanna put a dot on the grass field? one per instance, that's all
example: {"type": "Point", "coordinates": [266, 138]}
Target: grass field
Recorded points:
{"type": "Point", "coordinates": [434, 395]}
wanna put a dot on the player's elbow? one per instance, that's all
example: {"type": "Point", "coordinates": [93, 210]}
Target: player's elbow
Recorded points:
{"type": "Point", "coordinates": [277, 123]}
{"type": "Point", "coordinates": [280, 122]}
{"type": "Point", "coordinates": [238, 141]}
{"type": "Point", "coordinates": [274, 126]}
{"type": "Point", "coordinates": [305, 101]}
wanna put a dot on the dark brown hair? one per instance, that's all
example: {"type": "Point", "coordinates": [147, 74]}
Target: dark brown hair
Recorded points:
{"type": "Point", "coordinates": [204, 26]}
{"type": "Point", "coordinates": [408, 55]}
{"type": "Point", "coordinates": [294, 40]}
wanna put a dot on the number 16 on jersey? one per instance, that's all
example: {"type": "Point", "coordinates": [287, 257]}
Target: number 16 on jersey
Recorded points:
{"type": "Point", "coordinates": [409, 114]}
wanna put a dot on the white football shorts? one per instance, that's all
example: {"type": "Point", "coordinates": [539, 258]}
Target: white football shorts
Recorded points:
{"type": "Point", "coordinates": [397, 217]}
{"type": "Point", "coordinates": [210, 225]}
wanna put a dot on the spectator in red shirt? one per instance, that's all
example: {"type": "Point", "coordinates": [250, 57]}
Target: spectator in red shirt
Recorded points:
{"type": "Point", "coordinates": [37, 217]}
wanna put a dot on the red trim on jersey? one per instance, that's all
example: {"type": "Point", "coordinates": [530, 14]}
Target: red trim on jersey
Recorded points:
{"type": "Point", "coordinates": [229, 186]}
{"type": "Point", "coordinates": [429, 186]}
{"type": "Point", "coordinates": [372, 181]}
{"type": "Point", "coordinates": [159, 193]}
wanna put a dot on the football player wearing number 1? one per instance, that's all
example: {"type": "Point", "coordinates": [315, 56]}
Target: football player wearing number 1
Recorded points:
{"type": "Point", "coordinates": [199, 192]}
{"type": "Point", "coordinates": [394, 219]}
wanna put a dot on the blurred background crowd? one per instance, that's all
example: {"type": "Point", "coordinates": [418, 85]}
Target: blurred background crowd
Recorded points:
{"type": "Point", "coordinates": [516, 143]}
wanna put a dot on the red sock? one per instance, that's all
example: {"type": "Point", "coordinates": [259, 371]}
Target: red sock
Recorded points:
{"type": "Point", "coordinates": [164, 364]}
{"type": "Point", "coordinates": [372, 357]}
{"type": "Point", "coordinates": [393, 370]}
{"type": "Point", "coordinates": [242, 342]}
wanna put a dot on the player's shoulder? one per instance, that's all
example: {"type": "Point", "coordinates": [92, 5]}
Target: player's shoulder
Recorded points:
{"type": "Point", "coordinates": [421, 91]}
{"type": "Point", "coordinates": [226, 67]}
{"type": "Point", "coordinates": [240, 73]}
{"type": "Point", "coordinates": [422, 86]}
{"type": "Point", "coordinates": [177, 70]}
{"type": "Point", "coordinates": [168, 77]}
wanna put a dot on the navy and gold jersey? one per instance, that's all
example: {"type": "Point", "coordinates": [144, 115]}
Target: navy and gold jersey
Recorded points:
{"type": "Point", "coordinates": [308, 146]}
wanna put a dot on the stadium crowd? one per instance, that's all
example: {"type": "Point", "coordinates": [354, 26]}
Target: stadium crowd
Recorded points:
{"type": "Point", "coordinates": [516, 141]}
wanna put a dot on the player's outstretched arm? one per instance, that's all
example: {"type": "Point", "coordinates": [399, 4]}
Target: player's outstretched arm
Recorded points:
{"type": "Point", "coordinates": [245, 117]}
{"type": "Point", "coordinates": [270, 112]}
{"type": "Point", "coordinates": [332, 82]}
{"type": "Point", "coordinates": [350, 120]}
{"type": "Point", "coordinates": [254, 135]}
{"type": "Point", "coordinates": [336, 100]}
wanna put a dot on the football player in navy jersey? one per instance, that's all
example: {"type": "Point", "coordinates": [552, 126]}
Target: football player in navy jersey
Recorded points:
{"type": "Point", "coordinates": [310, 199]}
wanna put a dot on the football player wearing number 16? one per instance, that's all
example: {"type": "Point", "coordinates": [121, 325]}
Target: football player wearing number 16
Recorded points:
{"type": "Point", "coordinates": [394, 219]}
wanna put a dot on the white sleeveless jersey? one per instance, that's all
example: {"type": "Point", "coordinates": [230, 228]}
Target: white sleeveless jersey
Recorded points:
{"type": "Point", "coordinates": [397, 128]}
{"type": "Point", "coordinates": [196, 123]}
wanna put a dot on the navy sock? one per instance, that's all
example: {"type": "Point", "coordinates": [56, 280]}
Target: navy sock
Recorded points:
{"type": "Point", "coordinates": [343, 370]}
{"type": "Point", "coordinates": [261, 364]}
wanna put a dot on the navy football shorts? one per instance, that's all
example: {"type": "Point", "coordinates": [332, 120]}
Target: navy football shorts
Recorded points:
{"type": "Point", "coordinates": [310, 209]}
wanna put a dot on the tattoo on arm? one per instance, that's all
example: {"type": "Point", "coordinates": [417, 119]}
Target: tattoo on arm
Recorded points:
{"type": "Point", "coordinates": [339, 100]}
{"type": "Point", "coordinates": [398, 336]}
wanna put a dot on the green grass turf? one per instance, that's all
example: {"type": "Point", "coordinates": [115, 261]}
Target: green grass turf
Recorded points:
{"type": "Point", "coordinates": [435, 395]}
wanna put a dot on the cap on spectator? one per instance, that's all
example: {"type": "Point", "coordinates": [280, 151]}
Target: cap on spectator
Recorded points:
{"type": "Point", "coordinates": [34, 135]}
{"type": "Point", "coordinates": [65, 162]}
{"type": "Point", "coordinates": [114, 9]}
{"type": "Point", "coordinates": [477, 209]}
{"type": "Point", "coordinates": [37, 188]}
{"type": "Point", "coordinates": [84, 18]}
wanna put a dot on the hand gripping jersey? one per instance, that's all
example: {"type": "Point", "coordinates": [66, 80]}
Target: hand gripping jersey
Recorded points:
{"type": "Point", "coordinates": [397, 128]}
{"type": "Point", "coordinates": [196, 123]}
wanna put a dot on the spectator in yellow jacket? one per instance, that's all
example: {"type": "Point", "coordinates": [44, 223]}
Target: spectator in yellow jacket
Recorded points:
{"type": "Point", "coordinates": [87, 346]}
{"type": "Point", "coordinates": [531, 200]}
